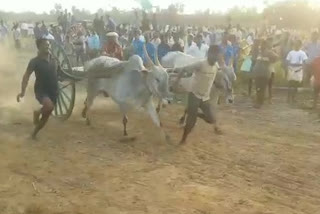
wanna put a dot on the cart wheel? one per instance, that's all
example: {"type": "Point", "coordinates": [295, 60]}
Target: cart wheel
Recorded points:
{"type": "Point", "coordinates": [65, 100]}
{"type": "Point", "coordinates": [59, 53]}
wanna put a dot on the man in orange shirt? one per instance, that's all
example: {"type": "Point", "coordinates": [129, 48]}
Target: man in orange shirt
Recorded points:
{"type": "Point", "coordinates": [112, 47]}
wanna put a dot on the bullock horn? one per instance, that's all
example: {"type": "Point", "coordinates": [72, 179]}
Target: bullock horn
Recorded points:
{"type": "Point", "coordinates": [149, 61]}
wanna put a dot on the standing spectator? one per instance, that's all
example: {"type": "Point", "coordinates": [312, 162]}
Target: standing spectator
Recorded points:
{"type": "Point", "coordinates": [163, 48]}
{"type": "Point", "coordinates": [202, 48]}
{"type": "Point", "coordinates": [261, 71]}
{"type": "Point", "coordinates": [238, 33]}
{"type": "Point", "coordinates": [65, 21]}
{"type": "Point", "coordinates": [176, 46]}
{"type": "Point", "coordinates": [57, 34]}
{"type": "Point", "coordinates": [254, 55]}
{"type": "Point", "coordinates": [24, 29]}
{"type": "Point", "coordinates": [156, 39]}
{"type": "Point", "coordinates": [227, 50]}
{"type": "Point", "coordinates": [236, 51]}
{"type": "Point", "coordinates": [68, 46]}
{"type": "Point", "coordinates": [79, 47]}
{"type": "Point", "coordinates": [60, 19]}
{"type": "Point", "coordinates": [100, 27]}
{"type": "Point", "coordinates": [138, 44]}
{"type": "Point", "coordinates": [112, 47]}
{"type": "Point", "coordinates": [145, 25]}
{"type": "Point", "coordinates": [136, 22]}
{"type": "Point", "coordinates": [151, 50]}
{"type": "Point", "coordinates": [190, 47]}
{"type": "Point", "coordinates": [73, 20]}
{"type": "Point", "coordinates": [111, 25]}
{"type": "Point", "coordinates": [17, 36]}
{"type": "Point", "coordinates": [3, 31]}
{"type": "Point", "coordinates": [295, 59]}
{"type": "Point", "coordinates": [69, 21]}
{"type": "Point", "coordinates": [44, 29]}
{"type": "Point", "coordinates": [93, 45]}
{"type": "Point", "coordinates": [96, 23]}
{"type": "Point", "coordinates": [312, 50]}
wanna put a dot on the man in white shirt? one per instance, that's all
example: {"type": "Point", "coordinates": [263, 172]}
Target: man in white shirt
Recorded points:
{"type": "Point", "coordinates": [17, 36]}
{"type": "Point", "coordinates": [295, 59]}
{"type": "Point", "coordinates": [190, 47]}
{"type": "Point", "coordinates": [204, 73]}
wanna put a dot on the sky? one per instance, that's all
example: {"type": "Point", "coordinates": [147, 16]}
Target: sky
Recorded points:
{"type": "Point", "coordinates": [191, 6]}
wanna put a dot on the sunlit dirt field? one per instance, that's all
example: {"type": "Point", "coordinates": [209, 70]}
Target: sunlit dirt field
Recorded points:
{"type": "Point", "coordinates": [267, 161]}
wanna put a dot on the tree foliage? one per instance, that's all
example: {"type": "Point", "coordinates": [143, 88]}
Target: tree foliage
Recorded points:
{"type": "Point", "coordinates": [289, 13]}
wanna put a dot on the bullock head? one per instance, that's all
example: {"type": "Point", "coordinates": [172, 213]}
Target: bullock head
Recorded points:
{"type": "Point", "coordinates": [157, 78]}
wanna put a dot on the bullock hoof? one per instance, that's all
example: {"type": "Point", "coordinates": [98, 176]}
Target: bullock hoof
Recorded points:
{"type": "Point", "coordinates": [88, 122]}
{"type": "Point", "coordinates": [84, 114]}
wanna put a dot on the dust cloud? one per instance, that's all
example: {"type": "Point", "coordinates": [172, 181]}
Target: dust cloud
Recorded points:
{"type": "Point", "coordinates": [12, 67]}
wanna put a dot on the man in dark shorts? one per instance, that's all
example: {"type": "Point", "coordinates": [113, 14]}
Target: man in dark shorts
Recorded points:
{"type": "Point", "coordinates": [46, 85]}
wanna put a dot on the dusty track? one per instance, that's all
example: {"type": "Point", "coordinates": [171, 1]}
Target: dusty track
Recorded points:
{"type": "Point", "coordinates": [266, 162]}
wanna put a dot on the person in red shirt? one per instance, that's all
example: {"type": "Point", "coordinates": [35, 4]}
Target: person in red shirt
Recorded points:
{"type": "Point", "coordinates": [112, 47]}
{"type": "Point", "coordinates": [316, 80]}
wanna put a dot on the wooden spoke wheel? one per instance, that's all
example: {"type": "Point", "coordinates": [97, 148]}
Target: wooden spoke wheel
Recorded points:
{"type": "Point", "coordinates": [67, 90]}
{"type": "Point", "coordinates": [65, 100]}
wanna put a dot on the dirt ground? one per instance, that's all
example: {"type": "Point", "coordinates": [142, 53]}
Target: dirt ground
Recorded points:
{"type": "Point", "coordinates": [267, 161]}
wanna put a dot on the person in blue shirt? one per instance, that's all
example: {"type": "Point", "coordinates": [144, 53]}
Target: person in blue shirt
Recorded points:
{"type": "Point", "coordinates": [138, 45]}
{"type": "Point", "coordinates": [151, 50]}
{"type": "Point", "coordinates": [236, 51]}
{"type": "Point", "coordinates": [227, 50]}
{"type": "Point", "coordinates": [163, 48]}
{"type": "Point", "coordinates": [93, 45]}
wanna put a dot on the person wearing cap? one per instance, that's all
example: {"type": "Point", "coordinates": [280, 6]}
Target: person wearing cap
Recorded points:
{"type": "Point", "coordinates": [112, 48]}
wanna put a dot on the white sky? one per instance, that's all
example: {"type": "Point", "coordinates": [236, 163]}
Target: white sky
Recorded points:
{"type": "Point", "coordinates": [40, 6]}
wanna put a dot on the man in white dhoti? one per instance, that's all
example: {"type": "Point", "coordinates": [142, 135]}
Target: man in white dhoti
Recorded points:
{"type": "Point", "coordinates": [295, 59]}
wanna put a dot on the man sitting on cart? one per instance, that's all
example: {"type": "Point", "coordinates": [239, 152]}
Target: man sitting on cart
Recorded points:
{"type": "Point", "coordinates": [112, 47]}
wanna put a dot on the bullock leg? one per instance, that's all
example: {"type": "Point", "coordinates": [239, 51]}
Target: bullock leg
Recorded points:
{"type": "Point", "coordinates": [183, 118]}
{"type": "Point", "coordinates": [125, 121]}
{"type": "Point", "coordinates": [155, 118]}
{"type": "Point", "coordinates": [88, 103]}
{"type": "Point", "coordinates": [159, 106]}
{"type": "Point", "coordinates": [84, 111]}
